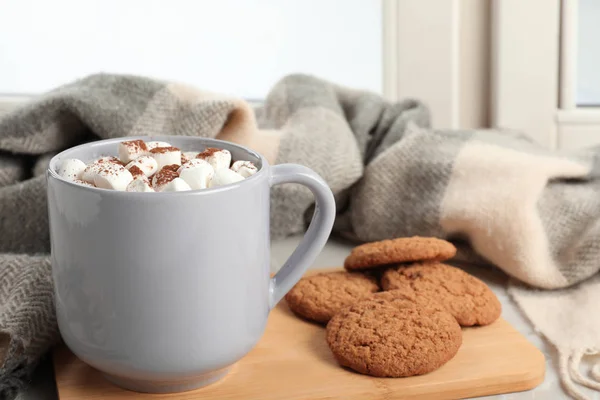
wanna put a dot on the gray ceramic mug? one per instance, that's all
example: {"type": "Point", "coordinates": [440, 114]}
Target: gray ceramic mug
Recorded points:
{"type": "Point", "coordinates": [163, 292]}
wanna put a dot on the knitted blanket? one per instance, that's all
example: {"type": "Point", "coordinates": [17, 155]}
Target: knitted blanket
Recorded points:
{"type": "Point", "coordinates": [510, 203]}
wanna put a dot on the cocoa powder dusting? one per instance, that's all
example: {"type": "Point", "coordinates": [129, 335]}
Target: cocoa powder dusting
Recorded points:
{"type": "Point", "coordinates": [166, 175]}
{"type": "Point", "coordinates": [111, 160]}
{"type": "Point", "coordinates": [172, 167]}
{"type": "Point", "coordinates": [136, 171]}
{"type": "Point", "coordinates": [160, 150]}
{"type": "Point", "coordinates": [137, 144]}
{"type": "Point", "coordinates": [209, 151]}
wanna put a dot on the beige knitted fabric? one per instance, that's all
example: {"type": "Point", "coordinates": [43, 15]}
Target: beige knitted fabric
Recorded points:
{"type": "Point", "coordinates": [564, 318]}
{"type": "Point", "coordinates": [531, 212]}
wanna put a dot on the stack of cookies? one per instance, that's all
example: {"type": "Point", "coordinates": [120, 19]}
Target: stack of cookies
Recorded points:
{"type": "Point", "coordinates": [397, 310]}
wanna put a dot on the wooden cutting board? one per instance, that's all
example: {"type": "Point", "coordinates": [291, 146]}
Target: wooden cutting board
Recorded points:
{"type": "Point", "coordinates": [292, 361]}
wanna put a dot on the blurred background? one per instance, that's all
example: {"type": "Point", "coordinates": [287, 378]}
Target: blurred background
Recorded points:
{"type": "Point", "coordinates": [526, 65]}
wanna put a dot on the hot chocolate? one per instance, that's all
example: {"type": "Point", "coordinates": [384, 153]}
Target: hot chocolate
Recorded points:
{"type": "Point", "coordinates": [157, 167]}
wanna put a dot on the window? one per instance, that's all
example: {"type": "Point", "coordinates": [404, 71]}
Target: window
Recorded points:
{"type": "Point", "coordinates": [236, 47]}
{"type": "Point", "coordinates": [588, 53]}
{"type": "Point", "coordinates": [545, 78]}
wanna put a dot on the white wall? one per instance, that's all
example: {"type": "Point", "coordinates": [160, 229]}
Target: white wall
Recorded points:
{"type": "Point", "coordinates": [231, 46]}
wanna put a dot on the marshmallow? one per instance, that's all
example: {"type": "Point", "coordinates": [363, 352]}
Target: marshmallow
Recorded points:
{"type": "Point", "coordinates": [167, 180]}
{"type": "Point", "coordinates": [176, 185]}
{"type": "Point", "coordinates": [225, 176]}
{"type": "Point", "coordinates": [217, 158]}
{"type": "Point", "coordinates": [139, 184]}
{"type": "Point", "coordinates": [91, 171]}
{"type": "Point", "coordinates": [154, 145]}
{"type": "Point", "coordinates": [158, 167]}
{"type": "Point", "coordinates": [129, 151]}
{"type": "Point", "coordinates": [136, 172]}
{"type": "Point", "coordinates": [197, 173]}
{"type": "Point", "coordinates": [72, 169]}
{"type": "Point", "coordinates": [113, 176]}
{"type": "Point", "coordinates": [188, 156]}
{"type": "Point", "coordinates": [146, 164]}
{"type": "Point", "coordinates": [84, 183]}
{"type": "Point", "coordinates": [244, 168]}
{"type": "Point", "coordinates": [166, 156]}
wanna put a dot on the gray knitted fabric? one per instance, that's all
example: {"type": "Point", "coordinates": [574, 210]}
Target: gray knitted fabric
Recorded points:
{"type": "Point", "coordinates": [533, 213]}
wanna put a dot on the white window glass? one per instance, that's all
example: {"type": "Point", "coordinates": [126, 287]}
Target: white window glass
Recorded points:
{"type": "Point", "coordinates": [588, 53]}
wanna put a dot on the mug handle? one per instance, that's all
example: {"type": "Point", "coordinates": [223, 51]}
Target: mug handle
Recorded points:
{"type": "Point", "coordinates": [318, 231]}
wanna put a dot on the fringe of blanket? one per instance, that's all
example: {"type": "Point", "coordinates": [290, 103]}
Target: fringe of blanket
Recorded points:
{"type": "Point", "coordinates": [567, 319]}
{"type": "Point", "coordinates": [569, 368]}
